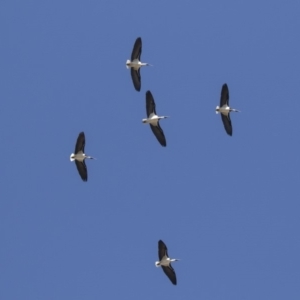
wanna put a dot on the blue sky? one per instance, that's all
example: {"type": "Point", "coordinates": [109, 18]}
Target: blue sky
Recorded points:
{"type": "Point", "coordinates": [232, 203]}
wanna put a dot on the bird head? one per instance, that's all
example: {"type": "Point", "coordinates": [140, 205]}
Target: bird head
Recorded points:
{"type": "Point", "coordinates": [72, 157]}
{"type": "Point", "coordinates": [217, 109]}
{"type": "Point", "coordinates": [157, 264]}
{"type": "Point", "coordinates": [127, 63]}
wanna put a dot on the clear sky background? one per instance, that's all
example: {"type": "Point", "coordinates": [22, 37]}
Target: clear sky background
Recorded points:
{"type": "Point", "coordinates": [228, 207]}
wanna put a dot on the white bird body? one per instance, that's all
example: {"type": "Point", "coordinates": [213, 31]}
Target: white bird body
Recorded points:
{"type": "Point", "coordinates": [80, 156]}
{"type": "Point", "coordinates": [153, 119]}
{"type": "Point", "coordinates": [165, 261]}
{"type": "Point", "coordinates": [136, 64]}
{"type": "Point", "coordinates": [225, 109]}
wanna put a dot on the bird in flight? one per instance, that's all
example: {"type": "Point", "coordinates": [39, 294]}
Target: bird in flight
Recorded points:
{"type": "Point", "coordinates": [135, 64]}
{"type": "Point", "coordinates": [225, 110]}
{"type": "Point", "coordinates": [165, 261]}
{"type": "Point", "coordinates": [79, 156]}
{"type": "Point", "coordinates": [153, 119]}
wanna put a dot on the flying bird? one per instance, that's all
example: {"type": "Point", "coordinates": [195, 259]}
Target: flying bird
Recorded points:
{"type": "Point", "coordinates": [79, 156]}
{"type": "Point", "coordinates": [135, 64]}
{"type": "Point", "coordinates": [165, 261]}
{"type": "Point", "coordinates": [225, 110]}
{"type": "Point", "coordinates": [153, 119]}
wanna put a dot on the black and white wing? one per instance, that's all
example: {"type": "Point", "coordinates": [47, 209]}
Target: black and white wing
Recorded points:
{"type": "Point", "coordinates": [80, 143]}
{"type": "Point", "coordinates": [227, 123]}
{"type": "Point", "coordinates": [162, 250]}
{"type": "Point", "coordinates": [169, 271]}
{"type": "Point", "coordinates": [224, 95]}
{"type": "Point", "coordinates": [82, 170]}
{"type": "Point", "coordinates": [158, 132]}
{"type": "Point", "coordinates": [137, 49]}
{"type": "Point", "coordinates": [150, 104]}
{"type": "Point", "coordinates": [136, 78]}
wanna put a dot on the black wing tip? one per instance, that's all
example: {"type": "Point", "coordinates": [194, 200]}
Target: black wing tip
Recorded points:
{"type": "Point", "coordinates": [137, 86]}
{"type": "Point", "coordinates": [83, 176]}
{"type": "Point", "coordinates": [161, 244]}
{"type": "Point", "coordinates": [81, 135]}
{"type": "Point", "coordinates": [225, 86]}
{"type": "Point", "coordinates": [228, 130]}
{"type": "Point", "coordinates": [148, 93]}
{"type": "Point", "coordinates": [225, 89]}
{"type": "Point", "coordinates": [150, 97]}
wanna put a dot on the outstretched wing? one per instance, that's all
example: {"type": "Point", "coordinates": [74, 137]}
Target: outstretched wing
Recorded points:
{"type": "Point", "coordinates": [136, 78]}
{"type": "Point", "coordinates": [227, 123]}
{"type": "Point", "coordinates": [224, 95]}
{"type": "Point", "coordinates": [169, 271]}
{"type": "Point", "coordinates": [82, 170]}
{"type": "Point", "coordinates": [162, 250]}
{"type": "Point", "coordinates": [137, 49]}
{"type": "Point", "coordinates": [150, 104]}
{"type": "Point", "coordinates": [80, 143]}
{"type": "Point", "coordinates": [158, 132]}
